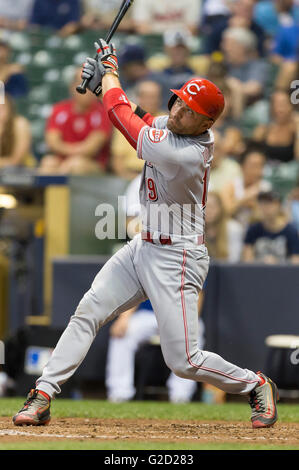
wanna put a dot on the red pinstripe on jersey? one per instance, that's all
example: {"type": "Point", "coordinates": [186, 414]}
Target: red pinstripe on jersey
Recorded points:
{"type": "Point", "coordinates": [186, 332]}
{"type": "Point", "coordinates": [205, 187]}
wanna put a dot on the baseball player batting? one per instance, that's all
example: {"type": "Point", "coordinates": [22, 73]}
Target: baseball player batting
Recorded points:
{"type": "Point", "coordinates": [166, 265]}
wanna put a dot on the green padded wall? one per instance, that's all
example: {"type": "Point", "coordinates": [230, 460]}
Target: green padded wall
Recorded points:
{"type": "Point", "coordinates": [86, 193]}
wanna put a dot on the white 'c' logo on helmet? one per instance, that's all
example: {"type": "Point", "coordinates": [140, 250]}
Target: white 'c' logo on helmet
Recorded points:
{"type": "Point", "coordinates": [196, 86]}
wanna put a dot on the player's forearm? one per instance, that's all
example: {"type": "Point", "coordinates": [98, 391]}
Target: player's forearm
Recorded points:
{"type": "Point", "coordinates": [109, 81]}
{"type": "Point", "coordinates": [119, 110]}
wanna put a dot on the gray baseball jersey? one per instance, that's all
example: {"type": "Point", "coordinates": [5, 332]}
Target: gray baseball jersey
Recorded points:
{"type": "Point", "coordinates": [175, 179]}
{"type": "Point", "coordinates": [170, 275]}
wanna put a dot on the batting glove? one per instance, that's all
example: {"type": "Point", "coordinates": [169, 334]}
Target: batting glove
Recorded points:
{"type": "Point", "coordinates": [95, 69]}
{"type": "Point", "coordinates": [107, 56]}
{"type": "Point", "coordinates": [92, 71]}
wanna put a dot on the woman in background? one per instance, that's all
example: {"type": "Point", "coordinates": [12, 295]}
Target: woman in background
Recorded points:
{"type": "Point", "coordinates": [15, 137]}
{"type": "Point", "coordinates": [280, 138]}
{"type": "Point", "coordinates": [240, 195]}
{"type": "Point", "coordinates": [224, 236]}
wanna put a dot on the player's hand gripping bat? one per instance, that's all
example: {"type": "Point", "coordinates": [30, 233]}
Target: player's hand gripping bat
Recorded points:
{"type": "Point", "coordinates": [122, 11]}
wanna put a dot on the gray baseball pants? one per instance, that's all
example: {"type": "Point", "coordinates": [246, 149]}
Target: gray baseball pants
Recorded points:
{"type": "Point", "coordinates": [171, 277]}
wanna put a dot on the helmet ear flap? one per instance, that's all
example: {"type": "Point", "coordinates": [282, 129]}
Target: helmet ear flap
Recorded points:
{"type": "Point", "coordinates": [172, 101]}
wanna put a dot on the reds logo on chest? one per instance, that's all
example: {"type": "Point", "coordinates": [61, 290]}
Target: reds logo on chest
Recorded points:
{"type": "Point", "coordinates": [157, 135]}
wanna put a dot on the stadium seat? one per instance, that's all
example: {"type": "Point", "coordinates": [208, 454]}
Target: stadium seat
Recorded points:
{"type": "Point", "coordinates": [23, 58]}
{"type": "Point", "coordinates": [157, 62]}
{"type": "Point", "coordinates": [153, 43]}
{"type": "Point", "coordinates": [67, 74]}
{"type": "Point", "coordinates": [33, 110]}
{"type": "Point", "coordinates": [283, 176]}
{"type": "Point", "coordinates": [200, 64]}
{"type": "Point", "coordinates": [273, 72]}
{"type": "Point", "coordinates": [37, 128]}
{"type": "Point", "coordinates": [257, 113]}
{"type": "Point", "coordinates": [79, 58]}
{"type": "Point", "coordinates": [54, 42]}
{"type": "Point", "coordinates": [39, 37]}
{"type": "Point", "coordinates": [22, 106]}
{"type": "Point", "coordinates": [282, 363]}
{"type": "Point", "coordinates": [40, 94]}
{"type": "Point", "coordinates": [19, 41]}
{"type": "Point", "coordinates": [73, 42]}
{"type": "Point", "coordinates": [43, 58]}
{"type": "Point", "coordinates": [52, 75]}
{"type": "Point", "coordinates": [89, 37]}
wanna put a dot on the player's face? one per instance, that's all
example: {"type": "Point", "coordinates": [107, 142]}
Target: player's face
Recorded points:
{"type": "Point", "coordinates": [184, 121]}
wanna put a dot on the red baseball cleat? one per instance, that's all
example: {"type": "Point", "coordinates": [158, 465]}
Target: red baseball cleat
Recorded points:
{"type": "Point", "coordinates": [36, 410]}
{"type": "Point", "coordinates": [263, 403]}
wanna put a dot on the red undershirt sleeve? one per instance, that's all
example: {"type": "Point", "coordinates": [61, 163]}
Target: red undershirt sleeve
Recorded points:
{"type": "Point", "coordinates": [122, 117]}
{"type": "Point", "coordinates": [149, 119]}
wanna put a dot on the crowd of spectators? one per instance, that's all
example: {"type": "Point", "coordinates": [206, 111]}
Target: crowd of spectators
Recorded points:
{"type": "Point", "coordinates": [15, 137]}
{"type": "Point", "coordinates": [249, 48]}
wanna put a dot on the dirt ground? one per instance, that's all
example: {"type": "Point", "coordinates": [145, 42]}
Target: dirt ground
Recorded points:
{"type": "Point", "coordinates": [151, 430]}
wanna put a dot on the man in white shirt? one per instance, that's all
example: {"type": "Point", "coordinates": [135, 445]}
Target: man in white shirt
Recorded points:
{"type": "Point", "coordinates": [14, 15]}
{"type": "Point", "coordinates": [156, 16]}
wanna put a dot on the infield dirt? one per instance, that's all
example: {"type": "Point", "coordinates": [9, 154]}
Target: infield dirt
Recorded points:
{"type": "Point", "coordinates": [151, 430]}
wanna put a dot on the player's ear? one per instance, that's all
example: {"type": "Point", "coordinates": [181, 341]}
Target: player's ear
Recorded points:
{"type": "Point", "coordinates": [208, 124]}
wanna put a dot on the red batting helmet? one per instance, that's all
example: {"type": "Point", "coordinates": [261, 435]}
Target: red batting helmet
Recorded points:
{"type": "Point", "coordinates": [202, 96]}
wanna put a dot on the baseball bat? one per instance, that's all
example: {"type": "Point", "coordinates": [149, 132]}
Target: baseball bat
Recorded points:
{"type": "Point", "coordinates": [121, 13]}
